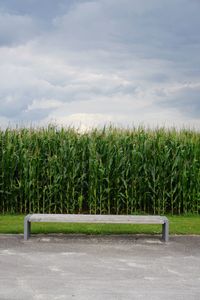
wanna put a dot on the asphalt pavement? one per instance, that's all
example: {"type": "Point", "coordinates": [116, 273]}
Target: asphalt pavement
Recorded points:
{"type": "Point", "coordinates": [116, 267]}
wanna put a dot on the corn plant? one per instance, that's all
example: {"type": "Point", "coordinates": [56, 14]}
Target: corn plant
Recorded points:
{"type": "Point", "coordinates": [110, 170]}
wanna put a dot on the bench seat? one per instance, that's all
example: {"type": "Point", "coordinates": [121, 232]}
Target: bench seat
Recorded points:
{"type": "Point", "coordinates": [105, 219]}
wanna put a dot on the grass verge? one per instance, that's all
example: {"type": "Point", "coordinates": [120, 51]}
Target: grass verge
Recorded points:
{"type": "Point", "coordinates": [178, 225]}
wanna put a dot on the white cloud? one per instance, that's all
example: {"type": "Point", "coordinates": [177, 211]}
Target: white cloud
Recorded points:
{"type": "Point", "coordinates": [44, 104]}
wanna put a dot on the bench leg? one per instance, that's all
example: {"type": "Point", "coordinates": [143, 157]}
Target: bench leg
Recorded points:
{"type": "Point", "coordinates": [165, 231]}
{"type": "Point", "coordinates": [27, 228]}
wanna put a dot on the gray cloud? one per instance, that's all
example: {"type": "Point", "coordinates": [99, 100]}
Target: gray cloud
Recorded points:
{"type": "Point", "coordinates": [159, 26]}
{"type": "Point", "coordinates": [108, 60]}
{"type": "Point", "coordinates": [16, 29]}
{"type": "Point", "coordinates": [45, 9]}
{"type": "Point", "coordinates": [186, 100]}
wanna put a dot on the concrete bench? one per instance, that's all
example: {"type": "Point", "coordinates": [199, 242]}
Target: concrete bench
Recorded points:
{"type": "Point", "coordinates": [109, 219]}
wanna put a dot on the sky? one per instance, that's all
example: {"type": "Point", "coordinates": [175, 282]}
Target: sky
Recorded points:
{"type": "Point", "coordinates": [100, 62]}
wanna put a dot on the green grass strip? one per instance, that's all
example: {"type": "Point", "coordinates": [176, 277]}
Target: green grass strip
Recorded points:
{"type": "Point", "coordinates": [178, 225]}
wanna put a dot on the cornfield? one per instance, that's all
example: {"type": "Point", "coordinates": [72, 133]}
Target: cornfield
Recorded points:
{"type": "Point", "coordinates": [101, 172]}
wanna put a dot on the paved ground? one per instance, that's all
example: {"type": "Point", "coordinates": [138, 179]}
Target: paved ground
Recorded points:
{"type": "Point", "coordinates": [109, 267]}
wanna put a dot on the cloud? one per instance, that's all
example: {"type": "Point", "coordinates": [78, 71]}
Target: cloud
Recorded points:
{"type": "Point", "coordinates": [16, 29]}
{"type": "Point", "coordinates": [45, 9]}
{"type": "Point", "coordinates": [101, 61]}
{"type": "Point", "coordinates": [146, 30]}
{"type": "Point", "coordinates": [184, 98]}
